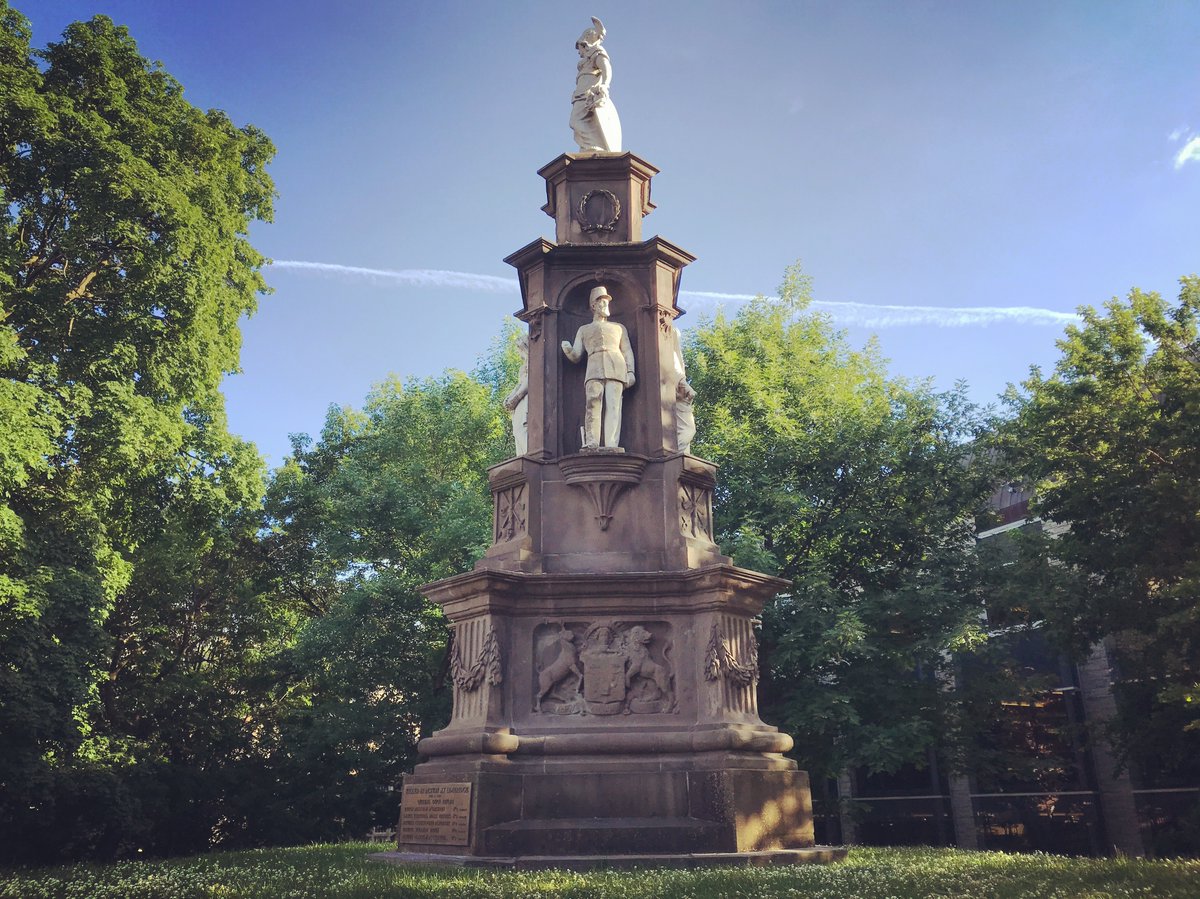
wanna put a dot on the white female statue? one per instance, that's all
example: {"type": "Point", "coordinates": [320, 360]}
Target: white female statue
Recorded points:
{"type": "Point", "coordinates": [517, 402]}
{"type": "Point", "coordinates": [685, 413]}
{"type": "Point", "coordinates": [593, 116]}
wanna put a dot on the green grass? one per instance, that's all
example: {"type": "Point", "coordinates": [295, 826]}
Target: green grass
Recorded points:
{"type": "Point", "coordinates": [343, 872]}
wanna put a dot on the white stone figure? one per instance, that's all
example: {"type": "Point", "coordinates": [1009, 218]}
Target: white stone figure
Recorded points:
{"type": "Point", "coordinates": [517, 402]}
{"type": "Point", "coordinates": [609, 372]}
{"type": "Point", "coordinates": [594, 118]}
{"type": "Point", "coordinates": [685, 415]}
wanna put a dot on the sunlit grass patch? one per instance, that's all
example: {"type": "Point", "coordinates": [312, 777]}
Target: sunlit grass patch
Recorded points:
{"type": "Point", "coordinates": [343, 872]}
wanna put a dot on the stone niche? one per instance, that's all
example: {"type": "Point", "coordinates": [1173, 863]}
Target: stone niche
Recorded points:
{"type": "Point", "coordinates": [604, 657]}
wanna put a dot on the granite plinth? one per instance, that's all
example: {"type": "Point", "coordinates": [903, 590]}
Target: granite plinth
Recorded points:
{"type": "Point", "coordinates": [821, 855]}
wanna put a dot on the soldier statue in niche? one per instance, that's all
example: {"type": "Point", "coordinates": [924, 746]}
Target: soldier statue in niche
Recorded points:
{"type": "Point", "coordinates": [609, 372]}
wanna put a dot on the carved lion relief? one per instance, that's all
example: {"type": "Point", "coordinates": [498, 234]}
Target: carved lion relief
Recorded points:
{"type": "Point", "coordinates": [603, 668]}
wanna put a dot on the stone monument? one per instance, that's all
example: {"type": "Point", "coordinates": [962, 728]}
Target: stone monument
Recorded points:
{"type": "Point", "coordinates": [604, 657]}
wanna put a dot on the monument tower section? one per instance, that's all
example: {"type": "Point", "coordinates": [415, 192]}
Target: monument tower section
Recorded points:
{"type": "Point", "coordinates": [604, 658]}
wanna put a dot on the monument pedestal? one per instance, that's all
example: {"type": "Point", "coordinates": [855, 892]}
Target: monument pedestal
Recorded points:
{"type": "Point", "coordinates": [604, 658]}
{"type": "Point", "coordinates": [602, 715]}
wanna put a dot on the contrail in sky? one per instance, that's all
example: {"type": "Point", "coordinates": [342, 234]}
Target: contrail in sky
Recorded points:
{"type": "Point", "coordinates": [866, 315]}
{"type": "Point", "coordinates": [419, 277]}
{"type": "Point", "coordinates": [863, 315]}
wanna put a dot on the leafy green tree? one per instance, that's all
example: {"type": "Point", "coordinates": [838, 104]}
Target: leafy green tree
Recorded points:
{"type": "Point", "coordinates": [1110, 441]}
{"type": "Point", "coordinates": [389, 499]}
{"type": "Point", "coordinates": [859, 489]}
{"type": "Point", "coordinates": [125, 505]}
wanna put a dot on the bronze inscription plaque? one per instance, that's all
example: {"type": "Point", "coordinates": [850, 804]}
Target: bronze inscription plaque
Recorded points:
{"type": "Point", "coordinates": [436, 813]}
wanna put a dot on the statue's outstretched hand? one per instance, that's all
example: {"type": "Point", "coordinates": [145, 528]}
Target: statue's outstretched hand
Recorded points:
{"type": "Point", "coordinates": [566, 345]}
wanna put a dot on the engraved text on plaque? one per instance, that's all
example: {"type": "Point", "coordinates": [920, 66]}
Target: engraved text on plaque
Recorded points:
{"type": "Point", "coordinates": [436, 813]}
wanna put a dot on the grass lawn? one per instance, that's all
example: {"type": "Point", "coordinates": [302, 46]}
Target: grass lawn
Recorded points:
{"type": "Point", "coordinates": [342, 872]}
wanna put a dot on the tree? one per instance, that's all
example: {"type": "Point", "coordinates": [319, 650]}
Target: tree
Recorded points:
{"type": "Point", "coordinates": [858, 488]}
{"type": "Point", "coordinates": [387, 500]}
{"type": "Point", "coordinates": [1110, 441]}
{"type": "Point", "coordinates": [125, 504]}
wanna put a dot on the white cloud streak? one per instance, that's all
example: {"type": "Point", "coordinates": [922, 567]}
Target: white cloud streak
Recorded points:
{"type": "Point", "coordinates": [415, 277]}
{"type": "Point", "coordinates": [866, 315]}
{"type": "Point", "coordinates": [862, 315]}
{"type": "Point", "coordinates": [1189, 152]}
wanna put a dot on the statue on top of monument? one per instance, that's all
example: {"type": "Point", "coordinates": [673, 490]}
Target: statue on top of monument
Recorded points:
{"type": "Point", "coordinates": [594, 118]}
{"type": "Point", "coordinates": [609, 372]}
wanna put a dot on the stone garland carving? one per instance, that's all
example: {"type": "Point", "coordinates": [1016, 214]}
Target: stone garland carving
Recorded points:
{"type": "Point", "coordinates": [606, 221]}
{"type": "Point", "coordinates": [605, 668]}
{"type": "Point", "coordinates": [694, 517]}
{"type": "Point", "coordinates": [719, 660]}
{"type": "Point", "coordinates": [510, 513]}
{"type": "Point", "coordinates": [487, 664]}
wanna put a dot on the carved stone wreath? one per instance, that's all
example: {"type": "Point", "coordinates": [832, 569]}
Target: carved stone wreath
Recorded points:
{"type": "Point", "coordinates": [590, 224]}
{"type": "Point", "coordinates": [719, 660]}
{"type": "Point", "coordinates": [487, 663]}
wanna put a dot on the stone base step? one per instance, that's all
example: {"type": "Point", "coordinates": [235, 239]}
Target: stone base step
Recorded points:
{"type": "Point", "coordinates": [598, 836]}
{"type": "Point", "coordinates": [812, 855]}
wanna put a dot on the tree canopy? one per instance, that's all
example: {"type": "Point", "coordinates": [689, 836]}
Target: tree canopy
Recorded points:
{"type": "Point", "coordinates": [124, 270]}
{"type": "Point", "coordinates": [1110, 443]}
{"type": "Point", "coordinates": [858, 488]}
{"type": "Point", "coordinates": [389, 498]}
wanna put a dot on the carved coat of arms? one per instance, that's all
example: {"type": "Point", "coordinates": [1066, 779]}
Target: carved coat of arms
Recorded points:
{"type": "Point", "coordinates": [604, 668]}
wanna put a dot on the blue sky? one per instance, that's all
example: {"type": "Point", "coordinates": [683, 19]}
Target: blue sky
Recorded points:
{"type": "Point", "coordinates": [925, 157]}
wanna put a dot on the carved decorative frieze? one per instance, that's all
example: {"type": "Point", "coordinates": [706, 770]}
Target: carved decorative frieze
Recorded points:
{"type": "Point", "coordinates": [599, 210]}
{"type": "Point", "coordinates": [666, 320]}
{"type": "Point", "coordinates": [486, 664]}
{"type": "Point", "coordinates": [603, 668]}
{"type": "Point", "coordinates": [510, 512]}
{"type": "Point", "coordinates": [695, 510]}
{"type": "Point", "coordinates": [720, 661]}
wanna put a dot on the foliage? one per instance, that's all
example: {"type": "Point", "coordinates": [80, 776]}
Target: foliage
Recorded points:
{"type": "Point", "coordinates": [388, 499]}
{"type": "Point", "coordinates": [1110, 441]}
{"type": "Point", "coordinates": [857, 488]}
{"type": "Point", "coordinates": [344, 872]}
{"type": "Point", "coordinates": [126, 507]}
